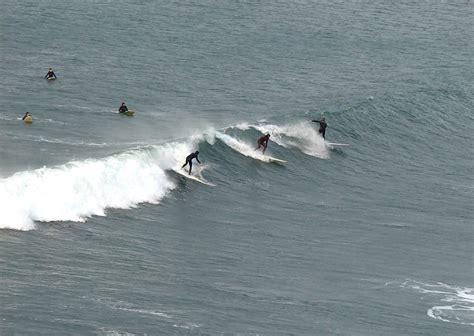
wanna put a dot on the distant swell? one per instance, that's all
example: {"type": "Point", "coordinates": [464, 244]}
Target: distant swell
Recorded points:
{"type": "Point", "coordinates": [78, 190]}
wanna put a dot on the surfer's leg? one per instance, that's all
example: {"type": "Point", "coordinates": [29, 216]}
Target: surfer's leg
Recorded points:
{"type": "Point", "coordinates": [184, 164]}
{"type": "Point", "coordinates": [190, 167]}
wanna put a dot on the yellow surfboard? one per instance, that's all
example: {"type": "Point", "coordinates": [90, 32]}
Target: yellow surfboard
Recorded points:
{"type": "Point", "coordinates": [129, 113]}
{"type": "Point", "coordinates": [28, 120]}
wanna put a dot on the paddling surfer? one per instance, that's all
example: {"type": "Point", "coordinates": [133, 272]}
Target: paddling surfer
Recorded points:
{"type": "Point", "coordinates": [123, 108]}
{"type": "Point", "coordinates": [27, 114]}
{"type": "Point", "coordinates": [50, 74]}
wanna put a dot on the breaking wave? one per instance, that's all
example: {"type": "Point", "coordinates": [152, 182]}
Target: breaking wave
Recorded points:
{"type": "Point", "coordinates": [81, 189]}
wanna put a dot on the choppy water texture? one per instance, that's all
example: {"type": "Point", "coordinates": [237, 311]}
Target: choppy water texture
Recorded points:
{"type": "Point", "coordinates": [100, 236]}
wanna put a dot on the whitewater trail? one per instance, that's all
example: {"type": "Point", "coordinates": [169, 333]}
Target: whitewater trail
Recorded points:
{"type": "Point", "coordinates": [242, 147]}
{"type": "Point", "coordinates": [77, 190]}
{"type": "Point", "coordinates": [301, 135]}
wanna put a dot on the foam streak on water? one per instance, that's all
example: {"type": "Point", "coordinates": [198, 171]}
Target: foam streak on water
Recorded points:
{"type": "Point", "coordinates": [460, 309]}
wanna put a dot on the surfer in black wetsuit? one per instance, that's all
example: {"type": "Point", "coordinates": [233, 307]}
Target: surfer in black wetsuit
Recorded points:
{"type": "Point", "coordinates": [189, 160]}
{"type": "Point", "coordinates": [263, 142]}
{"type": "Point", "coordinates": [27, 114]}
{"type": "Point", "coordinates": [123, 108]}
{"type": "Point", "coordinates": [50, 74]}
{"type": "Point", "coordinates": [322, 126]}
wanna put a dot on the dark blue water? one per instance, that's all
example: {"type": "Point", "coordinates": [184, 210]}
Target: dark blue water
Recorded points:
{"type": "Point", "coordinates": [101, 235]}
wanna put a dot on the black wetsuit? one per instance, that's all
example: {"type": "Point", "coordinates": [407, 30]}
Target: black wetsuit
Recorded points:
{"type": "Point", "coordinates": [322, 127]}
{"type": "Point", "coordinates": [263, 142]}
{"type": "Point", "coordinates": [123, 109]}
{"type": "Point", "coordinates": [50, 74]}
{"type": "Point", "coordinates": [189, 160]}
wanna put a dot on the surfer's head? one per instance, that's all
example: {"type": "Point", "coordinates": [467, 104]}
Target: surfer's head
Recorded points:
{"type": "Point", "coordinates": [268, 135]}
{"type": "Point", "coordinates": [323, 119]}
{"type": "Point", "coordinates": [196, 152]}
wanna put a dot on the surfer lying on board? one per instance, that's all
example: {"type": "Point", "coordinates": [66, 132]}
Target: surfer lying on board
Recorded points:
{"type": "Point", "coordinates": [322, 126]}
{"type": "Point", "coordinates": [189, 160]}
{"type": "Point", "coordinates": [50, 74]}
{"type": "Point", "coordinates": [27, 114]}
{"type": "Point", "coordinates": [263, 142]}
{"type": "Point", "coordinates": [123, 108]}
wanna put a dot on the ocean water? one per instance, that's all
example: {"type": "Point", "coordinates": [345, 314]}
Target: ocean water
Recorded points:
{"type": "Point", "coordinates": [100, 236]}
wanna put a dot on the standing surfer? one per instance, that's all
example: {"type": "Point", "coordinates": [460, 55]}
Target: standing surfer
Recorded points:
{"type": "Point", "coordinates": [189, 160]}
{"type": "Point", "coordinates": [322, 126]}
{"type": "Point", "coordinates": [263, 142]}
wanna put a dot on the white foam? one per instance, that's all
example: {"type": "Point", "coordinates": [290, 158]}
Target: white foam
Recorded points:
{"type": "Point", "coordinates": [121, 305]}
{"type": "Point", "coordinates": [461, 311]}
{"type": "Point", "coordinates": [242, 147]}
{"type": "Point", "coordinates": [78, 190]}
{"type": "Point", "coordinates": [145, 311]}
{"type": "Point", "coordinates": [59, 141]}
{"type": "Point", "coordinates": [300, 135]}
{"type": "Point", "coordinates": [112, 332]}
{"type": "Point", "coordinates": [188, 325]}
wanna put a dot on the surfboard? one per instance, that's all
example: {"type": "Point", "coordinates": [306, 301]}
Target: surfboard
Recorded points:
{"type": "Point", "coordinates": [193, 177]}
{"type": "Point", "coordinates": [51, 78]}
{"type": "Point", "coordinates": [129, 113]}
{"type": "Point", "coordinates": [28, 120]}
{"type": "Point", "coordinates": [274, 159]}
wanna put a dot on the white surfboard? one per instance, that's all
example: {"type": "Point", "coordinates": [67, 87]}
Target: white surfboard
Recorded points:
{"type": "Point", "coordinates": [197, 178]}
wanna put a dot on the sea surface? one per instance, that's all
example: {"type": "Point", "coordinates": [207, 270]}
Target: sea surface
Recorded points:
{"type": "Point", "coordinates": [99, 235]}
